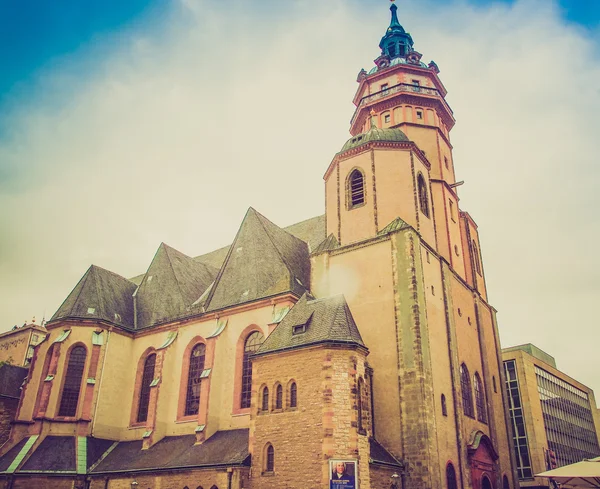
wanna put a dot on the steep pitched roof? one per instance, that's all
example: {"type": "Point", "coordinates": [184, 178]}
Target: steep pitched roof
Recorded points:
{"type": "Point", "coordinates": [171, 285]}
{"type": "Point", "coordinates": [100, 294]}
{"type": "Point", "coordinates": [312, 321]}
{"type": "Point", "coordinates": [264, 260]}
{"type": "Point", "coordinates": [11, 379]}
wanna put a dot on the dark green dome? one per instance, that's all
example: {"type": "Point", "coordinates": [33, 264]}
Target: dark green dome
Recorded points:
{"type": "Point", "coordinates": [375, 134]}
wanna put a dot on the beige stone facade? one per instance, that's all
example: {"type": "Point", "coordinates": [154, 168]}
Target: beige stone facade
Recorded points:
{"type": "Point", "coordinates": [363, 336]}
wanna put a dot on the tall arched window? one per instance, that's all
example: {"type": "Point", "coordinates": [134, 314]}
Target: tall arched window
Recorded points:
{"type": "Point", "coordinates": [476, 257]}
{"type": "Point", "coordinates": [465, 387]}
{"type": "Point", "coordinates": [72, 385]}
{"type": "Point", "coordinates": [147, 378]}
{"type": "Point", "coordinates": [293, 395]}
{"type": "Point", "coordinates": [252, 344]}
{"type": "Point", "coordinates": [359, 413]}
{"type": "Point", "coordinates": [192, 400]}
{"type": "Point", "coordinates": [264, 406]}
{"type": "Point", "coordinates": [279, 397]}
{"type": "Point", "coordinates": [451, 477]}
{"type": "Point", "coordinates": [269, 458]}
{"type": "Point", "coordinates": [423, 197]}
{"type": "Point", "coordinates": [505, 484]}
{"type": "Point", "coordinates": [356, 189]}
{"type": "Point", "coordinates": [480, 399]}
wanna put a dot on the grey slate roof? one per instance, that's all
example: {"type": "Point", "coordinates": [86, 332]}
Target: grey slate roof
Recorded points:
{"type": "Point", "coordinates": [173, 282]}
{"type": "Point", "coordinates": [330, 243]}
{"type": "Point", "coordinates": [7, 459]}
{"type": "Point", "coordinates": [54, 454]}
{"type": "Point", "coordinates": [100, 294]}
{"type": "Point", "coordinates": [375, 134]}
{"type": "Point", "coordinates": [222, 449]}
{"type": "Point", "coordinates": [327, 320]}
{"type": "Point", "coordinates": [264, 260]}
{"type": "Point", "coordinates": [379, 454]}
{"type": "Point", "coordinates": [11, 379]}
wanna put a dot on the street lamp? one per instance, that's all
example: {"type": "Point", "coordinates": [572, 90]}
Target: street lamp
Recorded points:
{"type": "Point", "coordinates": [394, 477]}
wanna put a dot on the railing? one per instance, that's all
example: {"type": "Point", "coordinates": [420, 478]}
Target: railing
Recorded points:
{"type": "Point", "coordinates": [401, 87]}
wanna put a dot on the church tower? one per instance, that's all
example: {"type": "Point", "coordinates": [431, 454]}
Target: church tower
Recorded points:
{"type": "Point", "coordinates": [407, 259]}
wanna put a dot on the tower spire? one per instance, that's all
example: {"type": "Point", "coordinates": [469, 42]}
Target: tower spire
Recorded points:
{"type": "Point", "coordinates": [396, 43]}
{"type": "Point", "coordinates": [394, 23]}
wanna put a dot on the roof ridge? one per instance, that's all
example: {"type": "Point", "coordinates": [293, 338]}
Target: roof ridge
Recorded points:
{"type": "Point", "coordinates": [167, 248]}
{"type": "Point", "coordinates": [83, 281]}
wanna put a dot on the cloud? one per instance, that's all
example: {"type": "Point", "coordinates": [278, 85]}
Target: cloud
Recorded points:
{"type": "Point", "coordinates": [174, 129]}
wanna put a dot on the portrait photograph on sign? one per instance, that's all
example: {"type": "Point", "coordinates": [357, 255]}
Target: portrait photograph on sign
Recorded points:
{"type": "Point", "coordinates": [342, 474]}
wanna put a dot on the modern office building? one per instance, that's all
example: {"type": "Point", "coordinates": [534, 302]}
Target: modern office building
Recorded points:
{"type": "Point", "coordinates": [554, 417]}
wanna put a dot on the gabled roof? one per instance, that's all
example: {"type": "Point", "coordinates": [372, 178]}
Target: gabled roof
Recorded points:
{"type": "Point", "coordinates": [102, 295]}
{"type": "Point", "coordinates": [11, 379]}
{"type": "Point", "coordinates": [330, 243]}
{"type": "Point", "coordinates": [313, 321]}
{"type": "Point", "coordinates": [171, 285]}
{"type": "Point", "coordinates": [264, 260]}
{"type": "Point", "coordinates": [221, 449]}
{"type": "Point", "coordinates": [380, 455]}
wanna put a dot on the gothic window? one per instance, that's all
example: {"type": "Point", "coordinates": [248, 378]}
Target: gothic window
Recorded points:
{"type": "Point", "coordinates": [465, 387]}
{"type": "Point", "coordinates": [72, 385]}
{"type": "Point", "coordinates": [147, 378]}
{"type": "Point", "coordinates": [444, 407]}
{"type": "Point", "coordinates": [252, 344]}
{"type": "Point", "coordinates": [269, 458]}
{"type": "Point", "coordinates": [451, 477]}
{"type": "Point", "coordinates": [476, 258]}
{"type": "Point", "coordinates": [391, 50]}
{"type": "Point", "coordinates": [480, 399]}
{"type": "Point", "coordinates": [279, 397]}
{"type": "Point", "coordinates": [293, 395]}
{"type": "Point", "coordinates": [359, 413]}
{"type": "Point", "coordinates": [192, 399]}
{"type": "Point", "coordinates": [265, 399]}
{"type": "Point", "coordinates": [423, 198]}
{"type": "Point", "coordinates": [356, 189]}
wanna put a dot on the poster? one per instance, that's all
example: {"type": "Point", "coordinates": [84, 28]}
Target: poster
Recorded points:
{"type": "Point", "coordinates": [342, 474]}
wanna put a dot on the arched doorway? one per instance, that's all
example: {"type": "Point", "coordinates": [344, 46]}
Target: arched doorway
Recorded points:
{"type": "Point", "coordinates": [482, 459]}
{"type": "Point", "coordinates": [485, 483]}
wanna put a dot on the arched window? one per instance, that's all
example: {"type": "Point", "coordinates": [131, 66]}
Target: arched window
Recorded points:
{"type": "Point", "coordinates": [444, 407]}
{"type": "Point", "coordinates": [293, 395]}
{"type": "Point", "coordinates": [199, 487]}
{"type": "Point", "coordinates": [192, 399]}
{"type": "Point", "coordinates": [265, 399]}
{"type": "Point", "coordinates": [485, 483]}
{"type": "Point", "coordinates": [359, 413]}
{"type": "Point", "coordinates": [72, 385]}
{"type": "Point", "coordinates": [214, 487]}
{"type": "Point", "coordinates": [451, 477]}
{"type": "Point", "coordinates": [423, 197]}
{"type": "Point", "coordinates": [356, 189]}
{"type": "Point", "coordinates": [476, 257]}
{"type": "Point", "coordinates": [279, 397]}
{"type": "Point", "coordinates": [252, 344]}
{"type": "Point", "coordinates": [269, 458]}
{"type": "Point", "coordinates": [465, 387]}
{"type": "Point", "coordinates": [147, 378]}
{"type": "Point", "coordinates": [480, 399]}
{"type": "Point", "coordinates": [505, 484]}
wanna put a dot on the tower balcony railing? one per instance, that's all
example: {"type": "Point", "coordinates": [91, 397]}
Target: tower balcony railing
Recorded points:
{"type": "Point", "coordinates": [401, 87]}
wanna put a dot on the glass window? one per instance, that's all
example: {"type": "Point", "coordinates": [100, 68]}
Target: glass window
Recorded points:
{"type": "Point", "coordinates": [356, 188]}
{"type": "Point", "coordinates": [279, 397]}
{"type": "Point", "coordinates": [192, 400]}
{"type": "Point", "coordinates": [451, 477]}
{"type": "Point", "coordinates": [147, 378]}
{"type": "Point", "coordinates": [480, 399]}
{"type": "Point", "coordinates": [252, 344]}
{"type": "Point", "coordinates": [270, 465]}
{"type": "Point", "coordinates": [70, 394]}
{"type": "Point", "coordinates": [423, 197]}
{"type": "Point", "coordinates": [265, 399]}
{"type": "Point", "coordinates": [465, 386]}
{"type": "Point", "coordinates": [293, 395]}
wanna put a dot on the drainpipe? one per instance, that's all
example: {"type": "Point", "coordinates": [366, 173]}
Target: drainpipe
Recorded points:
{"type": "Point", "coordinates": [229, 477]}
{"type": "Point", "coordinates": [100, 388]}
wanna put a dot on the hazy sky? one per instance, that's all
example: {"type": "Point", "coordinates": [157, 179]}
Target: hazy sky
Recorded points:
{"type": "Point", "coordinates": [125, 124]}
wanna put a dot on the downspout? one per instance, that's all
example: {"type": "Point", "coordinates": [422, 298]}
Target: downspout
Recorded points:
{"type": "Point", "coordinates": [100, 388]}
{"type": "Point", "coordinates": [229, 477]}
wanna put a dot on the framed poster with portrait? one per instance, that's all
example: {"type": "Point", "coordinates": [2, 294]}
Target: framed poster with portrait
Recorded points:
{"type": "Point", "coordinates": [343, 474]}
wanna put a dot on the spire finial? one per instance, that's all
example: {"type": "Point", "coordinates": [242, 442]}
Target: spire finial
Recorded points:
{"type": "Point", "coordinates": [394, 22]}
{"type": "Point", "coordinates": [373, 122]}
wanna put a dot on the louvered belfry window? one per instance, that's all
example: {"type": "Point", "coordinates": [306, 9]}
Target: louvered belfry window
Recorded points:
{"type": "Point", "coordinates": [252, 344]}
{"type": "Point", "coordinates": [147, 378]}
{"type": "Point", "coordinates": [357, 189]}
{"type": "Point", "coordinates": [192, 400]}
{"type": "Point", "coordinates": [70, 394]}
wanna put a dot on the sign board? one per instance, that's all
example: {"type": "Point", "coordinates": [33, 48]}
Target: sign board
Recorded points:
{"type": "Point", "coordinates": [343, 474]}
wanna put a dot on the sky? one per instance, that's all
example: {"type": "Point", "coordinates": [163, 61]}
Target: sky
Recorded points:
{"type": "Point", "coordinates": [128, 124]}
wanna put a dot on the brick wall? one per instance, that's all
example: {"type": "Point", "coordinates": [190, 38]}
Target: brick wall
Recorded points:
{"type": "Point", "coordinates": [8, 410]}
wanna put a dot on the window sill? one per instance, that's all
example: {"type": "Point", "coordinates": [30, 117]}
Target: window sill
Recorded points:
{"type": "Point", "coordinates": [277, 410]}
{"type": "Point", "coordinates": [187, 419]}
{"type": "Point", "coordinates": [267, 474]}
{"type": "Point", "coordinates": [357, 206]}
{"type": "Point", "coordinates": [135, 426]}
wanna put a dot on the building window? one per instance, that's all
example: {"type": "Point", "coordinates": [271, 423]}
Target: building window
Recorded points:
{"type": "Point", "coordinates": [505, 484]}
{"type": "Point", "coordinates": [391, 50]}
{"type": "Point", "coordinates": [451, 204]}
{"type": "Point", "coordinates": [423, 197]}
{"type": "Point", "coordinates": [359, 413]}
{"type": "Point", "coordinates": [420, 114]}
{"type": "Point", "coordinates": [265, 399]}
{"type": "Point", "coordinates": [293, 395]}
{"type": "Point", "coordinates": [416, 86]}
{"type": "Point", "coordinates": [446, 163]}
{"type": "Point", "coordinates": [356, 189]}
{"type": "Point", "coordinates": [147, 378]}
{"type": "Point", "coordinates": [451, 477]}
{"type": "Point", "coordinates": [386, 118]}
{"type": "Point", "coordinates": [476, 257]}
{"type": "Point", "coordinates": [444, 407]}
{"type": "Point", "coordinates": [270, 458]}
{"type": "Point", "coordinates": [192, 400]}
{"type": "Point", "coordinates": [465, 386]}
{"type": "Point", "coordinates": [279, 397]}
{"type": "Point", "coordinates": [480, 399]}
{"type": "Point", "coordinates": [35, 338]}
{"type": "Point", "coordinates": [494, 384]}
{"type": "Point", "coordinates": [72, 385]}
{"type": "Point", "coordinates": [384, 87]}
{"type": "Point", "coordinates": [252, 344]}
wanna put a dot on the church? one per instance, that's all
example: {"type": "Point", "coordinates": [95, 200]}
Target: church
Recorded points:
{"type": "Point", "coordinates": [356, 349]}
